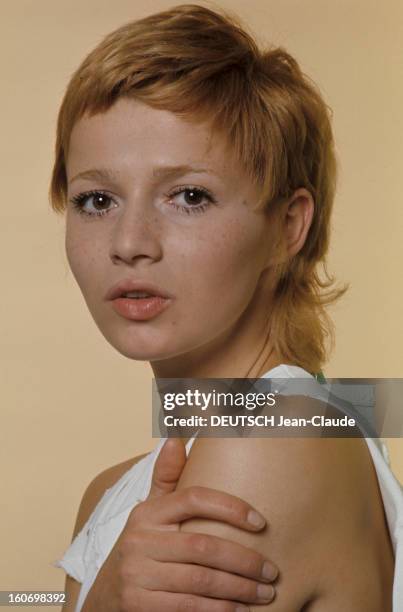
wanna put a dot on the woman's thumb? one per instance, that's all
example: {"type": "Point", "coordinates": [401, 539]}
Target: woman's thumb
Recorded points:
{"type": "Point", "coordinates": [168, 467]}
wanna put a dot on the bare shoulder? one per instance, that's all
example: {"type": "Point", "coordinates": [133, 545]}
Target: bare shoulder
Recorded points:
{"type": "Point", "coordinates": [92, 495]}
{"type": "Point", "coordinates": [324, 514]}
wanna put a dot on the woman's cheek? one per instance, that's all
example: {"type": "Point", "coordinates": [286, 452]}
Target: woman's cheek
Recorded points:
{"type": "Point", "coordinates": [75, 246]}
{"type": "Point", "coordinates": [74, 256]}
{"type": "Point", "coordinates": [223, 281]}
{"type": "Point", "coordinates": [83, 264]}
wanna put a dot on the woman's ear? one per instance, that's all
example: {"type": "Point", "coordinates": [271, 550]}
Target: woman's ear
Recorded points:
{"type": "Point", "coordinates": [288, 227]}
{"type": "Point", "coordinates": [297, 220]}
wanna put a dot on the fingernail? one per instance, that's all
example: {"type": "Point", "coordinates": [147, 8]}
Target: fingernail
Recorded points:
{"type": "Point", "coordinates": [265, 592]}
{"type": "Point", "coordinates": [269, 571]}
{"type": "Point", "coordinates": [256, 519]}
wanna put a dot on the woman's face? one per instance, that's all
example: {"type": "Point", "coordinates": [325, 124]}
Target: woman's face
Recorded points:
{"type": "Point", "coordinates": [206, 248]}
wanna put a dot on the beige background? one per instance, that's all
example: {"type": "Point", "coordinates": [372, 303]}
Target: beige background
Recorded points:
{"type": "Point", "coordinates": [71, 405]}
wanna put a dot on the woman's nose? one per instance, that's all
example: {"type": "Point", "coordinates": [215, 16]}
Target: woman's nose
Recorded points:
{"type": "Point", "coordinates": [136, 233]}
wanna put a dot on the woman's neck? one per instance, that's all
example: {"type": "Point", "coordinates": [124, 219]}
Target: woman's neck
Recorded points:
{"type": "Point", "coordinates": [244, 350]}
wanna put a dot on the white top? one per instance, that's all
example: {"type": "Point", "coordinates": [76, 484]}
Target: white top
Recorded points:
{"type": "Point", "coordinates": [91, 546]}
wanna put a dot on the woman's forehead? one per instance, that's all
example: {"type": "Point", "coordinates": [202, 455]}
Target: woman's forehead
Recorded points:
{"type": "Point", "coordinates": [132, 130]}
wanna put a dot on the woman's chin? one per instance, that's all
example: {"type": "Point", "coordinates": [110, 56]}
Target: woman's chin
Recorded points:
{"type": "Point", "coordinates": [137, 355]}
{"type": "Point", "coordinates": [137, 347]}
{"type": "Point", "coordinates": [137, 352]}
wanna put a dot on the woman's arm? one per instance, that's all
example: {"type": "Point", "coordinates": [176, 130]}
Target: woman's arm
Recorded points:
{"type": "Point", "coordinates": [151, 565]}
{"type": "Point", "coordinates": [326, 527]}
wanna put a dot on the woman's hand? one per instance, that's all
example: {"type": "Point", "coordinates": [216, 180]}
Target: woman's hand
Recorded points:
{"type": "Point", "coordinates": [153, 566]}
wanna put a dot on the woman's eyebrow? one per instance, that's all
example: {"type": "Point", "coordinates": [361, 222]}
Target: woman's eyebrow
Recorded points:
{"type": "Point", "coordinates": [158, 172]}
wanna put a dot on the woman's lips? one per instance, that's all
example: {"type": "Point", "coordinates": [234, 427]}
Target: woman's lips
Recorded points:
{"type": "Point", "coordinates": [127, 285]}
{"type": "Point", "coordinates": [140, 309]}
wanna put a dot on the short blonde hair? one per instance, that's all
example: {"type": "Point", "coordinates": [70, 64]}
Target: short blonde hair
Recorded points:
{"type": "Point", "coordinates": [202, 64]}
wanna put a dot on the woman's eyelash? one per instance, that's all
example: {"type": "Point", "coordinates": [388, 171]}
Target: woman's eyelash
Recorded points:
{"type": "Point", "coordinates": [201, 191]}
{"type": "Point", "coordinates": [80, 200]}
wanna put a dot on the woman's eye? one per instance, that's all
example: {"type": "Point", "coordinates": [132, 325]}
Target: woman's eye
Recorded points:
{"type": "Point", "coordinates": [190, 199]}
{"type": "Point", "coordinates": [99, 203]}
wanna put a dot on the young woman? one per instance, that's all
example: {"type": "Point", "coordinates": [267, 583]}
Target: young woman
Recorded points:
{"type": "Point", "coordinates": [200, 170]}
